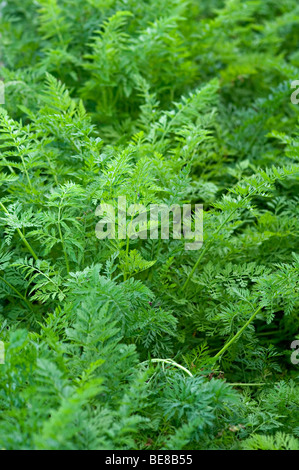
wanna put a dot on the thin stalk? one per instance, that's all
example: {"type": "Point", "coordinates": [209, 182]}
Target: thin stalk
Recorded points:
{"type": "Point", "coordinates": [248, 385]}
{"type": "Point", "coordinates": [238, 334]}
{"type": "Point", "coordinates": [47, 277]}
{"type": "Point", "coordinates": [128, 244]}
{"type": "Point", "coordinates": [16, 291]}
{"type": "Point", "coordinates": [11, 170]}
{"type": "Point", "coordinates": [23, 162]}
{"type": "Point", "coordinates": [209, 242]}
{"type": "Point", "coordinates": [205, 249]}
{"type": "Point", "coordinates": [62, 241]}
{"type": "Point", "coordinates": [171, 362]}
{"type": "Point", "coordinates": [26, 172]}
{"type": "Point", "coordinates": [21, 235]}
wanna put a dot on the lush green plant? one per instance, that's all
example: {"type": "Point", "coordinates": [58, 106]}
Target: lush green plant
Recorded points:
{"type": "Point", "coordinates": [140, 344]}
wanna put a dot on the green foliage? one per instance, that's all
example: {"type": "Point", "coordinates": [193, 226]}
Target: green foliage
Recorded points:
{"type": "Point", "coordinates": [278, 442]}
{"type": "Point", "coordinates": [138, 343]}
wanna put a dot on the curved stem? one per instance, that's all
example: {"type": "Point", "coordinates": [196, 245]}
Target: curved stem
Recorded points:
{"type": "Point", "coordinates": [27, 244]}
{"type": "Point", "coordinates": [169, 361]}
{"type": "Point", "coordinates": [16, 291]}
{"type": "Point", "coordinates": [36, 269]}
{"type": "Point", "coordinates": [209, 242]}
{"type": "Point", "coordinates": [128, 244]}
{"type": "Point", "coordinates": [62, 242]}
{"type": "Point", "coordinates": [21, 236]}
{"type": "Point", "coordinates": [23, 162]}
{"type": "Point", "coordinates": [239, 384]}
{"type": "Point", "coordinates": [238, 334]}
{"type": "Point", "coordinates": [26, 172]}
{"type": "Point", "coordinates": [205, 249]}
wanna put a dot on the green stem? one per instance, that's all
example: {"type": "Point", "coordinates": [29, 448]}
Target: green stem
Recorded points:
{"type": "Point", "coordinates": [26, 172]}
{"type": "Point", "coordinates": [209, 242]}
{"type": "Point", "coordinates": [128, 244]}
{"type": "Point", "coordinates": [46, 276]}
{"type": "Point", "coordinates": [171, 362]}
{"type": "Point", "coordinates": [238, 334]}
{"type": "Point", "coordinates": [62, 242]}
{"type": "Point", "coordinates": [21, 236]}
{"type": "Point", "coordinates": [16, 291]}
{"type": "Point", "coordinates": [248, 385]}
{"type": "Point", "coordinates": [23, 162]}
{"type": "Point", "coordinates": [205, 249]}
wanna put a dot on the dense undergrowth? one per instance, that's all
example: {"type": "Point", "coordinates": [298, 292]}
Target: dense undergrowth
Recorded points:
{"type": "Point", "coordinates": [140, 344]}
